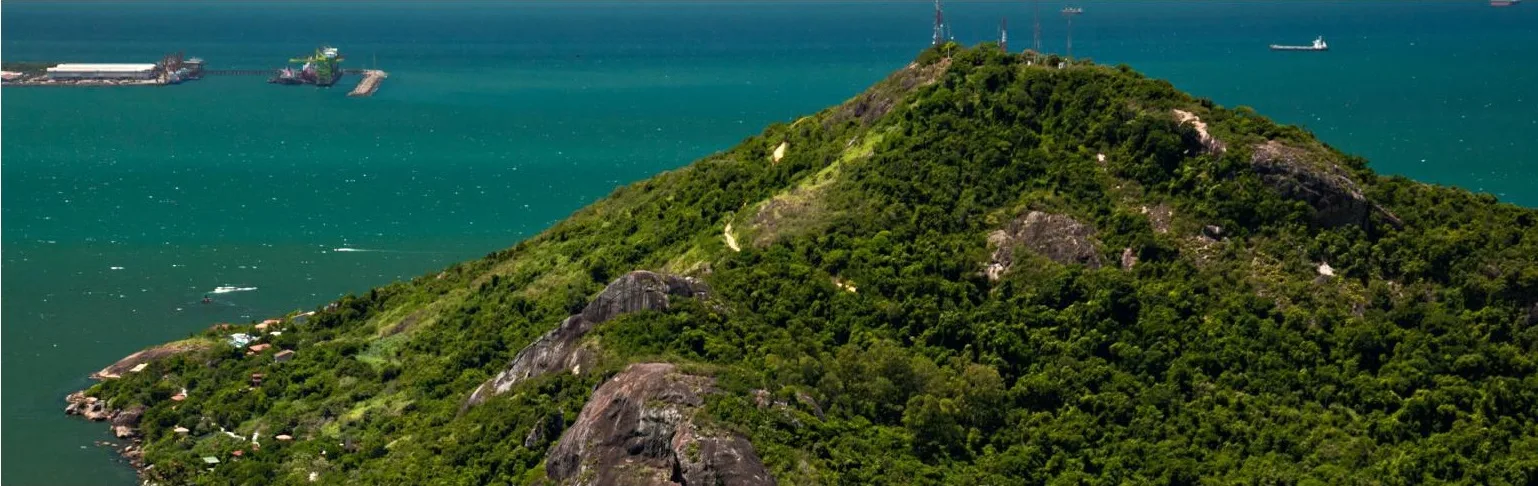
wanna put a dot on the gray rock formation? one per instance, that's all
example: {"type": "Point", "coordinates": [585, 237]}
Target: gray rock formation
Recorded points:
{"type": "Point", "coordinates": [91, 408]}
{"type": "Point", "coordinates": [1210, 144]}
{"type": "Point", "coordinates": [148, 355]}
{"type": "Point", "coordinates": [561, 350]}
{"type": "Point", "coordinates": [1212, 232]}
{"type": "Point", "coordinates": [542, 431]}
{"type": "Point", "coordinates": [1299, 174]}
{"type": "Point", "coordinates": [1160, 216]}
{"type": "Point", "coordinates": [1057, 237]}
{"type": "Point", "coordinates": [639, 429]}
{"type": "Point", "coordinates": [125, 424]}
{"type": "Point", "coordinates": [871, 105]}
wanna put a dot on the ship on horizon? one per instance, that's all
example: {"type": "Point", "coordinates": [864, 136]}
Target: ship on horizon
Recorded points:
{"type": "Point", "coordinates": [1318, 45]}
{"type": "Point", "coordinates": [1504, 3]}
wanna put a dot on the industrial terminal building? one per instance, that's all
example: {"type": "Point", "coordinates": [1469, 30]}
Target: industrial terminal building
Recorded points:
{"type": "Point", "coordinates": [102, 71]}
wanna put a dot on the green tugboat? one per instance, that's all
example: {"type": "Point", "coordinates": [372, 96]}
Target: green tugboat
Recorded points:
{"type": "Point", "coordinates": [320, 69]}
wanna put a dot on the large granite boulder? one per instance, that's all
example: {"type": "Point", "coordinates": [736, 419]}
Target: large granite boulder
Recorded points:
{"type": "Point", "coordinates": [1210, 144]}
{"type": "Point", "coordinates": [150, 355]}
{"type": "Point", "coordinates": [639, 429]}
{"type": "Point", "coordinates": [561, 348]}
{"type": "Point", "coordinates": [871, 105]}
{"type": "Point", "coordinates": [1058, 237]}
{"type": "Point", "coordinates": [1312, 178]}
{"type": "Point", "coordinates": [125, 424]}
{"type": "Point", "coordinates": [91, 408]}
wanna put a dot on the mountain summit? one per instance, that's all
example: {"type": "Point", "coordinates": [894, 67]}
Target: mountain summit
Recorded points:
{"type": "Point", "coordinates": [988, 268]}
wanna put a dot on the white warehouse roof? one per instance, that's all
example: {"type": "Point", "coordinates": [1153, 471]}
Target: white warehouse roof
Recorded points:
{"type": "Point", "coordinates": [117, 68]}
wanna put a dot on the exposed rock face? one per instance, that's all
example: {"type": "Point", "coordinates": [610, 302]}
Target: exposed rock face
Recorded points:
{"type": "Point", "coordinates": [560, 349]}
{"type": "Point", "coordinates": [1295, 172]}
{"type": "Point", "coordinates": [1159, 216]}
{"type": "Point", "coordinates": [1212, 232]}
{"type": "Point", "coordinates": [1057, 237]}
{"type": "Point", "coordinates": [130, 417]}
{"type": "Point", "coordinates": [1128, 258]}
{"type": "Point", "coordinates": [91, 408]}
{"type": "Point", "coordinates": [717, 460]}
{"type": "Point", "coordinates": [1210, 144]}
{"type": "Point", "coordinates": [125, 423]}
{"type": "Point", "coordinates": [763, 399]}
{"type": "Point", "coordinates": [639, 429]}
{"type": "Point", "coordinates": [880, 99]}
{"type": "Point", "coordinates": [543, 430]}
{"type": "Point", "coordinates": [147, 356]}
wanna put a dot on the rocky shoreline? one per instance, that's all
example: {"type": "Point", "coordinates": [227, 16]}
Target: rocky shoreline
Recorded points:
{"type": "Point", "coordinates": [124, 425]}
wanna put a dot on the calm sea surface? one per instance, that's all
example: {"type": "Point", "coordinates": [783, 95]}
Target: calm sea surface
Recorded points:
{"type": "Point", "coordinates": [123, 207]}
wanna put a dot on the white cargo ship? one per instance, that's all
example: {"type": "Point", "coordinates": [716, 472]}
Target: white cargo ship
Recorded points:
{"type": "Point", "coordinates": [1318, 45]}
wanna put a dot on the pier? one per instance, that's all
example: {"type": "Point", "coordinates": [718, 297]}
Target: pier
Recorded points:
{"type": "Point", "coordinates": [238, 72]}
{"type": "Point", "coordinates": [370, 83]}
{"type": "Point", "coordinates": [322, 69]}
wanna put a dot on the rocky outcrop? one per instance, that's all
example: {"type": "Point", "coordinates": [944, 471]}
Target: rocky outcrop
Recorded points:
{"type": "Point", "coordinates": [1160, 216]}
{"type": "Point", "coordinates": [561, 350]}
{"type": "Point", "coordinates": [1210, 144]}
{"type": "Point", "coordinates": [128, 363]}
{"type": "Point", "coordinates": [1212, 233]}
{"type": "Point", "coordinates": [639, 428]}
{"type": "Point", "coordinates": [125, 424]}
{"type": "Point", "coordinates": [764, 400]}
{"type": "Point", "coordinates": [881, 98]}
{"type": "Point", "coordinates": [543, 430]}
{"type": "Point", "coordinates": [1058, 237]}
{"type": "Point", "coordinates": [1128, 258]}
{"type": "Point", "coordinates": [1300, 174]}
{"type": "Point", "coordinates": [91, 408]}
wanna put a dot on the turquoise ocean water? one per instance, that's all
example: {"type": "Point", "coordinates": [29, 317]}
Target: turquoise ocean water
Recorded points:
{"type": "Point", "coordinates": [122, 207]}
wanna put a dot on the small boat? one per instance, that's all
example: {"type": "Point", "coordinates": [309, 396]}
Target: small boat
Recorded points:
{"type": "Point", "coordinates": [1318, 45]}
{"type": "Point", "coordinates": [1504, 3]}
{"type": "Point", "coordinates": [1072, 11]}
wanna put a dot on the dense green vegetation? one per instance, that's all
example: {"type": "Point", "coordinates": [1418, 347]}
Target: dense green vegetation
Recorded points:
{"type": "Point", "coordinates": [1221, 358]}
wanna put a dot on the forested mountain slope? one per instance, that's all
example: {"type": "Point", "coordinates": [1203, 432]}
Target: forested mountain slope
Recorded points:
{"type": "Point", "coordinates": [986, 269]}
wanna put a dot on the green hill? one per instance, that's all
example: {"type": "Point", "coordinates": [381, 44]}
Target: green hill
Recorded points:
{"type": "Point", "coordinates": [986, 269]}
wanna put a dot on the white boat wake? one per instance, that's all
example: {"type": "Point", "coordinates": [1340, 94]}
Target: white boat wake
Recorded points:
{"type": "Point", "coordinates": [226, 290]}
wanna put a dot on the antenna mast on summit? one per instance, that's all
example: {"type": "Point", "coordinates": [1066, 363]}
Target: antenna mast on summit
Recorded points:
{"type": "Point", "coordinates": [1036, 42]}
{"type": "Point", "coordinates": [1069, 13]}
{"type": "Point", "coordinates": [1070, 36]}
{"type": "Point", "coordinates": [939, 24]}
{"type": "Point", "coordinates": [1004, 34]}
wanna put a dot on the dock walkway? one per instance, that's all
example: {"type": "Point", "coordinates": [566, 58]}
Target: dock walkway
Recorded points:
{"type": "Point", "coordinates": [370, 83]}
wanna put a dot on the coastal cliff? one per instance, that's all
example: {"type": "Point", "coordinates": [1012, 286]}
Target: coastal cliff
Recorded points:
{"type": "Point", "coordinates": [988, 268]}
